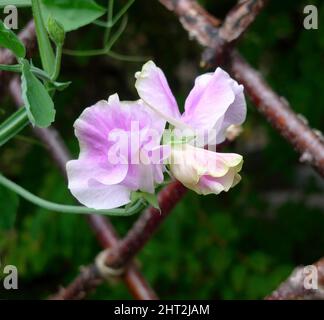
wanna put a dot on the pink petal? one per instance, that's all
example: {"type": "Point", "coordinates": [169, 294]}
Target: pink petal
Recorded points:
{"type": "Point", "coordinates": [160, 155]}
{"type": "Point", "coordinates": [212, 185]}
{"type": "Point", "coordinates": [146, 178]}
{"type": "Point", "coordinates": [86, 169]}
{"type": "Point", "coordinates": [235, 114]}
{"type": "Point", "coordinates": [209, 100]}
{"type": "Point", "coordinates": [96, 187]}
{"type": "Point", "coordinates": [99, 196]}
{"type": "Point", "coordinates": [139, 110]}
{"type": "Point", "coordinates": [154, 90]}
{"type": "Point", "coordinates": [140, 177]}
{"type": "Point", "coordinates": [91, 129]}
{"type": "Point", "coordinates": [119, 130]}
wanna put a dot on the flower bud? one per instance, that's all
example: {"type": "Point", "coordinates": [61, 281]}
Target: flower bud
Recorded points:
{"type": "Point", "coordinates": [55, 31]}
{"type": "Point", "coordinates": [205, 171]}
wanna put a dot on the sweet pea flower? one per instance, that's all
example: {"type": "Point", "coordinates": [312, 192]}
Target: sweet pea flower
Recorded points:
{"type": "Point", "coordinates": [117, 140]}
{"type": "Point", "coordinates": [214, 104]}
{"type": "Point", "coordinates": [205, 171]}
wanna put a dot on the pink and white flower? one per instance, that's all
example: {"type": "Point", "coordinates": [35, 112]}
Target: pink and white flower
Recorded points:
{"type": "Point", "coordinates": [205, 171]}
{"type": "Point", "coordinates": [120, 141]}
{"type": "Point", "coordinates": [98, 180]}
{"type": "Point", "coordinates": [215, 103]}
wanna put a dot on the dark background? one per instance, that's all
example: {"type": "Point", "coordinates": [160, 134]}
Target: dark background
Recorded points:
{"type": "Point", "coordinates": [240, 244]}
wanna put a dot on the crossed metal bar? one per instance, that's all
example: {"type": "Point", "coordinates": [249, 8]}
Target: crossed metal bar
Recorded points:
{"type": "Point", "coordinates": [218, 40]}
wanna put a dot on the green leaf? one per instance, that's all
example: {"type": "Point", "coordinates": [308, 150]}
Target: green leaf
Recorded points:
{"type": "Point", "coordinates": [9, 40]}
{"type": "Point", "coordinates": [16, 3]}
{"type": "Point", "coordinates": [8, 208]}
{"type": "Point", "coordinates": [72, 14]}
{"type": "Point", "coordinates": [38, 103]}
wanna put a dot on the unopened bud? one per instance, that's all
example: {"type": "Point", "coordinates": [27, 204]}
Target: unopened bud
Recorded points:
{"type": "Point", "coordinates": [55, 31]}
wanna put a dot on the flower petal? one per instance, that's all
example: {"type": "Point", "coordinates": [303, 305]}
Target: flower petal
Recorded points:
{"type": "Point", "coordinates": [235, 114]}
{"type": "Point", "coordinates": [209, 100]}
{"type": "Point", "coordinates": [140, 177]}
{"type": "Point", "coordinates": [182, 165]}
{"type": "Point", "coordinates": [146, 178]}
{"type": "Point", "coordinates": [154, 90]}
{"type": "Point", "coordinates": [205, 171]}
{"type": "Point", "coordinates": [86, 169]}
{"type": "Point", "coordinates": [91, 129]}
{"type": "Point", "coordinates": [145, 116]}
{"type": "Point", "coordinates": [212, 185]}
{"type": "Point", "coordinates": [99, 196]}
{"type": "Point", "coordinates": [105, 191]}
{"type": "Point", "coordinates": [160, 155]}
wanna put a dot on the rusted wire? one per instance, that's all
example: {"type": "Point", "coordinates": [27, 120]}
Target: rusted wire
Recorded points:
{"type": "Point", "coordinates": [292, 127]}
{"type": "Point", "coordinates": [145, 226]}
{"type": "Point", "coordinates": [122, 253]}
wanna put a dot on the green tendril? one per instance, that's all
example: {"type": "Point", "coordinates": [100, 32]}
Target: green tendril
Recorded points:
{"type": "Point", "coordinates": [130, 210]}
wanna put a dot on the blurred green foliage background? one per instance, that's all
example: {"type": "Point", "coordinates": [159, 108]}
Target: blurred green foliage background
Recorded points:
{"type": "Point", "coordinates": [236, 245]}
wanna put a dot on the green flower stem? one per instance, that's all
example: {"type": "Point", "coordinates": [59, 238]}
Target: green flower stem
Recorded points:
{"type": "Point", "coordinates": [134, 208]}
{"type": "Point", "coordinates": [85, 53]}
{"type": "Point", "coordinates": [103, 51]}
{"type": "Point", "coordinates": [13, 125]}
{"type": "Point", "coordinates": [109, 20]}
{"type": "Point", "coordinates": [18, 68]}
{"type": "Point", "coordinates": [124, 57]}
{"type": "Point", "coordinates": [117, 34]}
{"type": "Point", "coordinates": [10, 67]}
{"type": "Point", "coordinates": [121, 12]}
{"type": "Point", "coordinates": [58, 59]}
{"type": "Point", "coordinates": [45, 48]}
